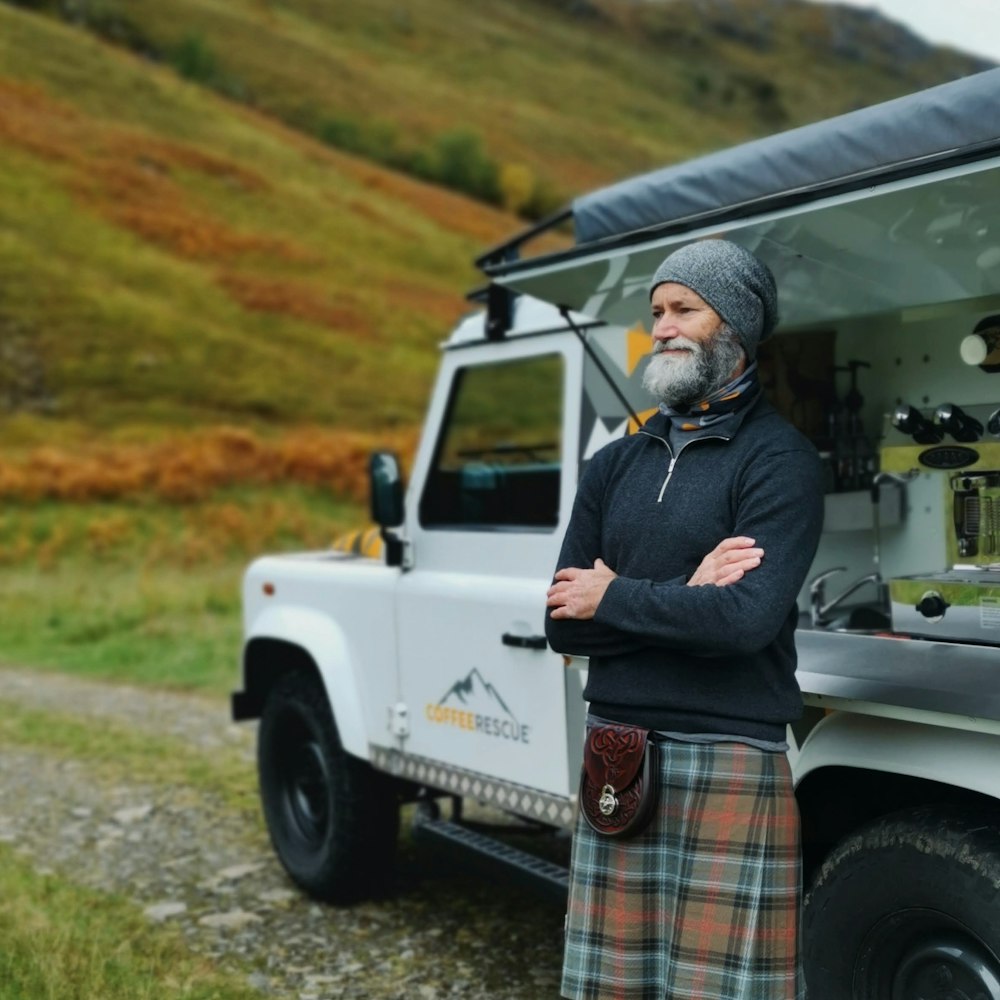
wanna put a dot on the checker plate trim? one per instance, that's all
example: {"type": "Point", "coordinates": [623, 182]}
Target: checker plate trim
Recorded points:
{"type": "Point", "coordinates": [528, 802]}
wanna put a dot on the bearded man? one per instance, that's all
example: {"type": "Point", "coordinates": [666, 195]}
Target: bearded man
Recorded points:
{"type": "Point", "coordinates": [678, 578]}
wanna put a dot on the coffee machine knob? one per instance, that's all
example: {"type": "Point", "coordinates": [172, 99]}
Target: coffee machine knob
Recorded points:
{"type": "Point", "coordinates": [958, 423]}
{"type": "Point", "coordinates": [933, 606]}
{"type": "Point", "coordinates": [910, 420]}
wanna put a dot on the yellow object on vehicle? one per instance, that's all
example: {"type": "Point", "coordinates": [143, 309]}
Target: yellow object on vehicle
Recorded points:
{"type": "Point", "coordinates": [362, 542]}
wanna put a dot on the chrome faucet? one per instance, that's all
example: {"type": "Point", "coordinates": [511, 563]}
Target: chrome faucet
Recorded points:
{"type": "Point", "coordinates": [821, 608]}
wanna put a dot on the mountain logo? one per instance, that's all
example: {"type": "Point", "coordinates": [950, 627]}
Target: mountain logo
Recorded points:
{"type": "Point", "coordinates": [474, 705]}
{"type": "Point", "coordinates": [475, 691]}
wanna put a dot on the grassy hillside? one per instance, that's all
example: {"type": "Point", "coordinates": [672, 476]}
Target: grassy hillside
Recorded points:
{"type": "Point", "coordinates": [575, 92]}
{"type": "Point", "coordinates": [170, 259]}
{"type": "Point", "coordinates": [173, 258]}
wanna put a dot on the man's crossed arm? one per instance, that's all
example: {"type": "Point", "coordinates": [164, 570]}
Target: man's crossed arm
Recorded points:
{"type": "Point", "coordinates": [576, 593]}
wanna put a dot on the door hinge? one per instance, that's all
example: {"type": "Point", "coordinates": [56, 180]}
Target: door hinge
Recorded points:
{"type": "Point", "coordinates": [399, 720]}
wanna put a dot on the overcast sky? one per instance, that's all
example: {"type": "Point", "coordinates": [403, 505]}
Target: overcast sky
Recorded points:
{"type": "Point", "coordinates": [971, 25]}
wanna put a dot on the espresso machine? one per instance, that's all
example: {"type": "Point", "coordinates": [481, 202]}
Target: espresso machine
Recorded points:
{"type": "Point", "coordinates": [962, 444]}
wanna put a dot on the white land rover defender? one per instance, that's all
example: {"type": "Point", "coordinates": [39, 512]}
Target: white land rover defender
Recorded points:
{"type": "Point", "coordinates": [421, 670]}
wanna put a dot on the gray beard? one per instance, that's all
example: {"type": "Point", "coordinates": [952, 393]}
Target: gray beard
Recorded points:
{"type": "Point", "coordinates": [709, 366]}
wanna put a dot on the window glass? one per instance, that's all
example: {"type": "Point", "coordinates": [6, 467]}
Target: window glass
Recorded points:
{"type": "Point", "coordinates": [498, 458]}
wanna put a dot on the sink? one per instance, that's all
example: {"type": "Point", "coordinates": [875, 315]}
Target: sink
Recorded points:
{"type": "Point", "coordinates": [862, 619]}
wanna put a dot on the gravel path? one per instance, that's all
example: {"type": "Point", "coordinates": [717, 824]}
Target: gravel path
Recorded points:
{"type": "Point", "coordinates": [189, 860]}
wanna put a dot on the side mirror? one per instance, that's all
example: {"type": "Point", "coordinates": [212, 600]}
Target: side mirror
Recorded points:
{"type": "Point", "coordinates": [386, 483]}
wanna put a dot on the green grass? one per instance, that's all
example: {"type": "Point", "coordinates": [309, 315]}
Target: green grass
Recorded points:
{"type": "Point", "coordinates": [165, 627]}
{"type": "Point", "coordinates": [147, 593]}
{"type": "Point", "coordinates": [61, 941]}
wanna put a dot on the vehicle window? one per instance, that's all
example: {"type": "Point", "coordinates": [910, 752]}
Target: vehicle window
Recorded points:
{"type": "Point", "coordinates": [498, 458]}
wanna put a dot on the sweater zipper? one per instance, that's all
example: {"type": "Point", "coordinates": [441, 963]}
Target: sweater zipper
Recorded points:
{"type": "Point", "coordinates": [673, 457]}
{"type": "Point", "coordinates": [670, 472]}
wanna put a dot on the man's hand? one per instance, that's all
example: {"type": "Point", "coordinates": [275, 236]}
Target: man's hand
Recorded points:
{"type": "Point", "coordinates": [728, 562]}
{"type": "Point", "coordinates": [577, 592]}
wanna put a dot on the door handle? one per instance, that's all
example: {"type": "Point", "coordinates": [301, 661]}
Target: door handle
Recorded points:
{"type": "Point", "coordinates": [524, 641]}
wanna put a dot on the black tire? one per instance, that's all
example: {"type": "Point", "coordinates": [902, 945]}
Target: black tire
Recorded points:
{"type": "Point", "coordinates": [907, 909]}
{"type": "Point", "coordinates": [332, 818]}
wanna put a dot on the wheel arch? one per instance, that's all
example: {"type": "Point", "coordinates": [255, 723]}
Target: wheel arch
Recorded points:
{"type": "Point", "coordinates": [299, 639]}
{"type": "Point", "coordinates": [854, 769]}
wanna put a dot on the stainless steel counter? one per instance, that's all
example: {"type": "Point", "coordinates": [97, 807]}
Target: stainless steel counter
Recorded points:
{"type": "Point", "coordinates": [959, 683]}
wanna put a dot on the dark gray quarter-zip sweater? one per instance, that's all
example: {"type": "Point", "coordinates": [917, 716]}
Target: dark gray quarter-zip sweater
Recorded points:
{"type": "Point", "coordinates": [700, 659]}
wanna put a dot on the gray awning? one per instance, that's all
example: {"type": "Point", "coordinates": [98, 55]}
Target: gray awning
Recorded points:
{"type": "Point", "coordinates": [949, 117]}
{"type": "Point", "coordinates": [890, 208]}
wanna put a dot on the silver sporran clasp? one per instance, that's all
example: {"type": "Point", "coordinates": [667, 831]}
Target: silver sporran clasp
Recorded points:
{"type": "Point", "coordinates": [607, 803]}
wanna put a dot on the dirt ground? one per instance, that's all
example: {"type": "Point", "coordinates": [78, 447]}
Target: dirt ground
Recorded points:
{"type": "Point", "coordinates": [187, 859]}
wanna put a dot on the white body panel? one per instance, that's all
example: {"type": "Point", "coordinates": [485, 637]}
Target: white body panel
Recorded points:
{"type": "Point", "coordinates": [951, 756]}
{"type": "Point", "coordinates": [340, 611]}
{"type": "Point", "coordinates": [474, 702]}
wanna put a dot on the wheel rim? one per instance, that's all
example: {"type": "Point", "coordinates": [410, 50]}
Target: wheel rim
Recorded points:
{"type": "Point", "coordinates": [304, 785]}
{"type": "Point", "coordinates": [925, 955]}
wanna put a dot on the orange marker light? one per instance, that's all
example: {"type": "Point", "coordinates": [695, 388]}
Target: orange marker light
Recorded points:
{"type": "Point", "coordinates": [268, 589]}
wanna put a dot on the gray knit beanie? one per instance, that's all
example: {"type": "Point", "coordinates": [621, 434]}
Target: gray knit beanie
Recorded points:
{"type": "Point", "coordinates": [735, 283]}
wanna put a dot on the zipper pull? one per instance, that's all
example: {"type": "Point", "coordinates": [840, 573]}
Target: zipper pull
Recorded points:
{"type": "Point", "coordinates": [670, 472]}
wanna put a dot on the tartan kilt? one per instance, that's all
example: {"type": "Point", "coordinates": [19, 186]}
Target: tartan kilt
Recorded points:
{"type": "Point", "coordinates": [704, 903]}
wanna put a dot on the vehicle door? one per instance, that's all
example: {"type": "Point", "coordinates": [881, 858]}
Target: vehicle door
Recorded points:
{"type": "Point", "coordinates": [488, 506]}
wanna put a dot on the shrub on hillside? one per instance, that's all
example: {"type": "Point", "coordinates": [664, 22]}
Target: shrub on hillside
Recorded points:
{"type": "Point", "coordinates": [458, 159]}
{"type": "Point", "coordinates": [377, 140]}
{"type": "Point", "coordinates": [195, 60]}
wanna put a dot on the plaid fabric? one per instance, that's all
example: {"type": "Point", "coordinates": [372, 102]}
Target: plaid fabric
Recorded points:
{"type": "Point", "coordinates": [704, 903]}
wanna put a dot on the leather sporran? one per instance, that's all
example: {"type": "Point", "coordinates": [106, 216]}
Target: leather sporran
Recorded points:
{"type": "Point", "coordinates": [618, 786]}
